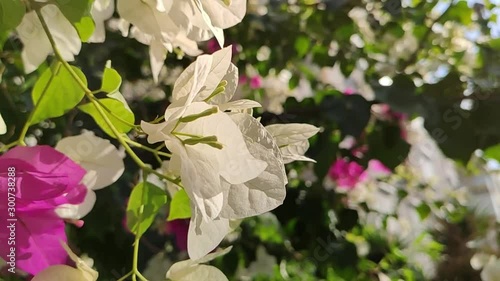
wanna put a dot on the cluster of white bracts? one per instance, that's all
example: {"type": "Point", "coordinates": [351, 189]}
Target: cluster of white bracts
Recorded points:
{"type": "Point", "coordinates": [230, 165]}
{"type": "Point", "coordinates": [161, 24]}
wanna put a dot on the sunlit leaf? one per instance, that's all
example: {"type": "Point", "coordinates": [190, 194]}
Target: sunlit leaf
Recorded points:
{"type": "Point", "coordinates": [180, 207]}
{"type": "Point", "coordinates": [60, 92]}
{"type": "Point", "coordinates": [11, 13]}
{"type": "Point", "coordinates": [144, 203]}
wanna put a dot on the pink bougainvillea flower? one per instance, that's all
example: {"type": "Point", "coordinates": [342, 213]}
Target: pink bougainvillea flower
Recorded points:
{"type": "Point", "coordinates": [44, 179]}
{"type": "Point", "coordinates": [375, 170]}
{"type": "Point", "coordinates": [346, 174]}
{"type": "Point", "coordinates": [212, 46]}
{"type": "Point", "coordinates": [179, 228]}
{"type": "Point", "coordinates": [256, 82]}
{"type": "Point", "coordinates": [349, 91]}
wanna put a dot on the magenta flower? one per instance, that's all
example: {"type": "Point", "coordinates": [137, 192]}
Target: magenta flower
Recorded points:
{"type": "Point", "coordinates": [349, 91]}
{"type": "Point", "coordinates": [375, 170]}
{"type": "Point", "coordinates": [44, 179]}
{"type": "Point", "coordinates": [256, 82]}
{"type": "Point", "coordinates": [179, 228]}
{"type": "Point", "coordinates": [212, 46]}
{"type": "Point", "coordinates": [346, 174]}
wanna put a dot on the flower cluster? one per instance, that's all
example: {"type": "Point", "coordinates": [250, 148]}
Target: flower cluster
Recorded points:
{"type": "Point", "coordinates": [230, 165]}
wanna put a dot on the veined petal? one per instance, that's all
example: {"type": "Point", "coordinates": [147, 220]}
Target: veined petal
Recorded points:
{"type": "Point", "coordinates": [204, 236]}
{"type": "Point", "coordinates": [236, 164]}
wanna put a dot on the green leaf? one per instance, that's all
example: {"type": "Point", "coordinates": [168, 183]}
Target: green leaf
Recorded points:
{"type": "Point", "coordinates": [60, 92]}
{"type": "Point", "coordinates": [111, 80]}
{"type": "Point", "coordinates": [493, 152]}
{"type": "Point", "coordinates": [119, 114]}
{"type": "Point", "coordinates": [144, 203]}
{"type": "Point", "coordinates": [85, 28]}
{"type": "Point", "coordinates": [423, 211]}
{"type": "Point", "coordinates": [11, 13]}
{"type": "Point", "coordinates": [75, 10]}
{"type": "Point", "coordinates": [180, 206]}
{"type": "Point", "coordinates": [459, 12]}
{"type": "Point", "coordinates": [302, 45]}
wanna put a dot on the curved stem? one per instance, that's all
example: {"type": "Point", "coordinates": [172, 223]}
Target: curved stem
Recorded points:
{"type": "Point", "coordinates": [125, 276]}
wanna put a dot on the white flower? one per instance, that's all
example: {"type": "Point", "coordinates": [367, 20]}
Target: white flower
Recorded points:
{"type": "Point", "coordinates": [355, 83]}
{"type": "Point", "coordinates": [3, 126]}
{"type": "Point", "coordinates": [36, 43]}
{"type": "Point", "coordinates": [229, 164]}
{"type": "Point", "coordinates": [204, 19]}
{"type": "Point", "coordinates": [293, 140]}
{"type": "Point", "coordinates": [101, 160]}
{"type": "Point", "coordinates": [490, 265]}
{"type": "Point", "coordinates": [101, 11]}
{"type": "Point", "coordinates": [155, 27]}
{"type": "Point", "coordinates": [276, 90]}
{"type": "Point", "coordinates": [194, 270]}
{"type": "Point", "coordinates": [82, 272]}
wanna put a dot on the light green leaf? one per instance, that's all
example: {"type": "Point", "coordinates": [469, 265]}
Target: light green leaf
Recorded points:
{"type": "Point", "coordinates": [3, 127]}
{"type": "Point", "coordinates": [75, 10]}
{"type": "Point", "coordinates": [60, 92]}
{"type": "Point", "coordinates": [144, 203]}
{"type": "Point", "coordinates": [119, 114]}
{"type": "Point", "coordinates": [111, 80]}
{"type": "Point", "coordinates": [85, 28]}
{"type": "Point", "coordinates": [11, 13]}
{"type": "Point", "coordinates": [180, 206]}
{"type": "Point", "coordinates": [302, 45]}
{"type": "Point", "coordinates": [493, 152]}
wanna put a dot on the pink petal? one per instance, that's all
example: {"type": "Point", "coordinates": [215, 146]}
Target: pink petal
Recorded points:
{"type": "Point", "coordinates": [44, 177]}
{"type": "Point", "coordinates": [37, 239]}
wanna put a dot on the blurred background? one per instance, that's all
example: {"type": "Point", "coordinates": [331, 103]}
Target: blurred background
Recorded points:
{"type": "Point", "coordinates": [407, 182]}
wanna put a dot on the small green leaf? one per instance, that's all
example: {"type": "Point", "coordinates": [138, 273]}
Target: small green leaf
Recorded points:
{"type": "Point", "coordinates": [75, 10]}
{"type": "Point", "coordinates": [85, 28]}
{"type": "Point", "coordinates": [60, 92]}
{"type": "Point", "coordinates": [120, 114]}
{"type": "Point", "coordinates": [11, 13]}
{"type": "Point", "coordinates": [111, 80]}
{"type": "Point", "coordinates": [423, 211]}
{"type": "Point", "coordinates": [144, 203]}
{"type": "Point", "coordinates": [3, 127]}
{"type": "Point", "coordinates": [302, 45]}
{"type": "Point", "coordinates": [180, 206]}
{"type": "Point", "coordinates": [493, 152]}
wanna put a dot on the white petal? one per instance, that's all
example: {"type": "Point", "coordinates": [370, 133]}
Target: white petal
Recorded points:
{"type": "Point", "coordinates": [197, 273]}
{"type": "Point", "coordinates": [3, 126]}
{"type": "Point", "coordinates": [204, 236]}
{"type": "Point", "coordinates": [217, 31]}
{"type": "Point", "coordinates": [291, 133]}
{"type": "Point", "coordinates": [239, 105]}
{"type": "Point", "coordinates": [157, 56]}
{"type": "Point", "coordinates": [76, 212]}
{"type": "Point", "coordinates": [236, 164]}
{"type": "Point", "coordinates": [266, 191]}
{"type": "Point", "coordinates": [36, 43]}
{"type": "Point", "coordinates": [94, 154]}
{"type": "Point", "coordinates": [154, 131]}
{"type": "Point", "coordinates": [219, 68]}
{"type": "Point", "coordinates": [224, 16]}
{"type": "Point", "coordinates": [59, 273]}
{"type": "Point", "coordinates": [101, 11]}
